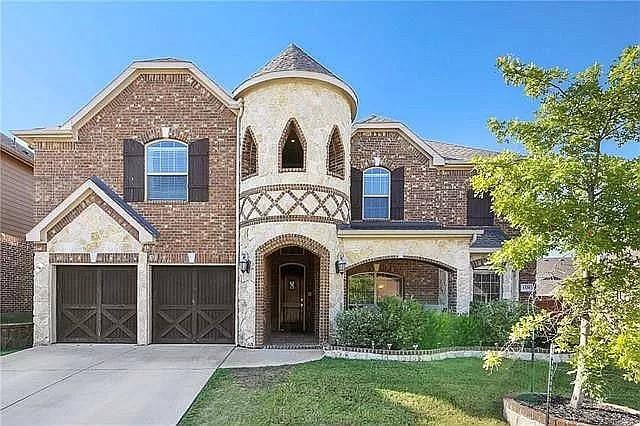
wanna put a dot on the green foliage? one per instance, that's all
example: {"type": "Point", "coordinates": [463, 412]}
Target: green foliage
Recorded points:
{"type": "Point", "coordinates": [497, 318]}
{"type": "Point", "coordinates": [569, 191]}
{"type": "Point", "coordinates": [404, 324]}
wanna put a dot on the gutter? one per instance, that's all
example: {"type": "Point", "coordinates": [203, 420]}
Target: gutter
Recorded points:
{"type": "Point", "coordinates": [237, 217]}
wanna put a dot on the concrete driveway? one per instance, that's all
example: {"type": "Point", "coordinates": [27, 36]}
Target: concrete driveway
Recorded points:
{"type": "Point", "coordinates": [104, 384]}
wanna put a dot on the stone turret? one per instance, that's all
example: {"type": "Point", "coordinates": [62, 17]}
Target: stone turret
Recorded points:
{"type": "Point", "coordinates": [295, 132]}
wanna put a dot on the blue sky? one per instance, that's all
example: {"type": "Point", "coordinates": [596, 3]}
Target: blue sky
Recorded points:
{"type": "Point", "coordinates": [431, 65]}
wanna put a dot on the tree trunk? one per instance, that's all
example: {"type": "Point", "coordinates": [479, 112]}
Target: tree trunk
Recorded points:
{"type": "Point", "coordinates": [581, 372]}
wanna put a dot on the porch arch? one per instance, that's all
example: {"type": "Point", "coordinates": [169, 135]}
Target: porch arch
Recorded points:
{"type": "Point", "coordinates": [270, 247]}
{"type": "Point", "coordinates": [451, 279]}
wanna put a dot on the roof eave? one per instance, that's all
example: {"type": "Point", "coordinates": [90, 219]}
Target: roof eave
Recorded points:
{"type": "Point", "coordinates": [308, 75]}
{"type": "Point", "coordinates": [438, 160]}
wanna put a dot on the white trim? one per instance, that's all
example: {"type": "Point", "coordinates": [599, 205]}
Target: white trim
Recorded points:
{"type": "Point", "coordinates": [190, 264]}
{"type": "Point", "coordinates": [421, 144]}
{"type": "Point", "coordinates": [409, 233]}
{"type": "Point", "coordinates": [39, 232]}
{"type": "Point", "coordinates": [50, 132]}
{"type": "Point", "coordinates": [309, 75]}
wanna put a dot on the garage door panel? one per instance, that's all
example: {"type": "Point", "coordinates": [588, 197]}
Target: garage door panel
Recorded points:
{"type": "Point", "coordinates": [96, 304]}
{"type": "Point", "coordinates": [193, 304]}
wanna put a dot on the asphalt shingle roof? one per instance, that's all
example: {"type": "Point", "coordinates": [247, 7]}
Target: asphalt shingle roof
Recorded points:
{"type": "Point", "coordinates": [122, 203]}
{"type": "Point", "coordinates": [493, 237]}
{"type": "Point", "coordinates": [293, 59]}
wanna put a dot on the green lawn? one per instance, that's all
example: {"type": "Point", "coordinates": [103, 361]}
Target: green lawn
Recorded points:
{"type": "Point", "coordinates": [330, 391]}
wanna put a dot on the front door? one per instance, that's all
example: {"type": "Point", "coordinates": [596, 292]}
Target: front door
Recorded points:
{"type": "Point", "coordinates": [292, 298]}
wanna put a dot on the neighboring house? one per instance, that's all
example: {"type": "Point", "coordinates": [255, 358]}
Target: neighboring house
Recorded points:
{"type": "Point", "coordinates": [170, 211]}
{"type": "Point", "coordinates": [550, 272]}
{"type": "Point", "coordinates": [16, 219]}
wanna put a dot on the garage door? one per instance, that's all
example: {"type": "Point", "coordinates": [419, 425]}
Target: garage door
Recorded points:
{"type": "Point", "coordinates": [193, 304]}
{"type": "Point", "coordinates": [96, 304]}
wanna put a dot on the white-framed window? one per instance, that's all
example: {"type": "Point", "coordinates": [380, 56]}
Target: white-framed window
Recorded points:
{"type": "Point", "coordinates": [376, 193]}
{"type": "Point", "coordinates": [366, 289]}
{"type": "Point", "coordinates": [167, 170]}
{"type": "Point", "coordinates": [487, 286]}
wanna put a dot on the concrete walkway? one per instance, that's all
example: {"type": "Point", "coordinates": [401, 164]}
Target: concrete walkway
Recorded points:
{"type": "Point", "coordinates": [106, 384]}
{"type": "Point", "coordinates": [252, 358]}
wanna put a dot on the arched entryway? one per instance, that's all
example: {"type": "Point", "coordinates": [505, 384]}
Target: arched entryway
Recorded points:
{"type": "Point", "coordinates": [292, 292]}
{"type": "Point", "coordinates": [426, 281]}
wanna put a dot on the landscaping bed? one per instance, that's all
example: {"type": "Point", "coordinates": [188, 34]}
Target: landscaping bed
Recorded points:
{"type": "Point", "coordinates": [592, 412]}
{"type": "Point", "coordinates": [337, 391]}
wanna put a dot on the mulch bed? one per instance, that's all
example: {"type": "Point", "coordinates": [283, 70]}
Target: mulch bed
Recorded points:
{"type": "Point", "coordinates": [591, 412]}
{"type": "Point", "coordinates": [251, 378]}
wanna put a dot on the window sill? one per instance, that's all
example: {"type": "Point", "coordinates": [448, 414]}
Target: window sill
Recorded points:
{"type": "Point", "coordinates": [287, 170]}
{"type": "Point", "coordinates": [167, 201]}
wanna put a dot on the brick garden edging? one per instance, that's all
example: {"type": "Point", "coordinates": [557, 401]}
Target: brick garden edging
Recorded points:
{"type": "Point", "coordinates": [431, 354]}
{"type": "Point", "coordinates": [517, 414]}
{"type": "Point", "coordinates": [16, 336]}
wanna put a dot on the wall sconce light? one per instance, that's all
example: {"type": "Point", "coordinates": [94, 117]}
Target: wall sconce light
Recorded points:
{"type": "Point", "coordinates": [245, 263]}
{"type": "Point", "coordinates": [341, 265]}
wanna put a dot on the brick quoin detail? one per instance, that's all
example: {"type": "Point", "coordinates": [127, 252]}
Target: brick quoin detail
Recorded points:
{"type": "Point", "coordinates": [429, 193]}
{"type": "Point", "coordinates": [261, 286]}
{"type": "Point", "coordinates": [150, 102]}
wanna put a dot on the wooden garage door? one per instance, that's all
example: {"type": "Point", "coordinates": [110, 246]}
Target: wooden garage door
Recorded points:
{"type": "Point", "coordinates": [96, 304]}
{"type": "Point", "coordinates": [193, 304]}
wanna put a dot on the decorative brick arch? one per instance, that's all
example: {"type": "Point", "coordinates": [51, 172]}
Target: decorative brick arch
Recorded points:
{"type": "Point", "coordinates": [335, 154]}
{"type": "Point", "coordinates": [249, 152]}
{"type": "Point", "coordinates": [292, 124]}
{"type": "Point", "coordinates": [270, 247]}
{"type": "Point", "coordinates": [452, 281]}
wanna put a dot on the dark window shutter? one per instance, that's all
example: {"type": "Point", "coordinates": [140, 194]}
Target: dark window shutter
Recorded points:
{"type": "Point", "coordinates": [356, 194]}
{"type": "Point", "coordinates": [133, 154]}
{"type": "Point", "coordinates": [479, 211]}
{"type": "Point", "coordinates": [397, 194]}
{"type": "Point", "coordinates": [199, 170]}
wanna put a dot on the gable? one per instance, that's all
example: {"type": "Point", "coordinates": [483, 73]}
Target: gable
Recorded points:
{"type": "Point", "coordinates": [93, 230]}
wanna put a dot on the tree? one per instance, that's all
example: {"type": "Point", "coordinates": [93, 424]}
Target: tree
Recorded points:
{"type": "Point", "coordinates": [570, 192]}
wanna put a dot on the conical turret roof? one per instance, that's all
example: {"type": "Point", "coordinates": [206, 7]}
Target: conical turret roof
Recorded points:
{"type": "Point", "coordinates": [293, 58]}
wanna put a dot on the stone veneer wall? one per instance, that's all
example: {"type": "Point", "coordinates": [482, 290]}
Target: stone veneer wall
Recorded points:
{"type": "Point", "coordinates": [450, 253]}
{"type": "Point", "coordinates": [16, 274]}
{"type": "Point", "coordinates": [291, 207]}
{"type": "Point", "coordinates": [152, 101]}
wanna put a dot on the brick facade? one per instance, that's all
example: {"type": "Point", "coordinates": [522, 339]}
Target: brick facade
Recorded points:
{"type": "Point", "coordinates": [150, 102]}
{"type": "Point", "coordinates": [16, 274]}
{"type": "Point", "coordinates": [429, 193]}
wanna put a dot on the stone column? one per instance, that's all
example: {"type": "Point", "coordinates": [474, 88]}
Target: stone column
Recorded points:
{"type": "Point", "coordinates": [144, 299]}
{"type": "Point", "coordinates": [464, 286]}
{"type": "Point", "coordinates": [43, 300]}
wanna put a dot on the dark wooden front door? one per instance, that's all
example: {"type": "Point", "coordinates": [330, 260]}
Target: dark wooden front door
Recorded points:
{"type": "Point", "coordinates": [96, 304]}
{"type": "Point", "coordinates": [193, 304]}
{"type": "Point", "coordinates": [292, 298]}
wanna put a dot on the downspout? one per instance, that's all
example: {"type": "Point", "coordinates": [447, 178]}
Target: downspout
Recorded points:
{"type": "Point", "coordinates": [237, 218]}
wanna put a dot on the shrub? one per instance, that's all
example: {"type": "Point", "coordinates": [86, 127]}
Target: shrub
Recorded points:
{"type": "Point", "coordinates": [497, 318]}
{"type": "Point", "coordinates": [404, 323]}
{"type": "Point", "coordinates": [393, 322]}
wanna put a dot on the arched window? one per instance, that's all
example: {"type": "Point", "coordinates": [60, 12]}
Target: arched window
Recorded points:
{"type": "Point", "coordinates": [369, 288]}
{"type": "Point", "coordinates": [167, 170]}
{"type": "Point", "coordinates": [376, 192]}
{"type": "Point", "coordinates": [249, 155]}
{"type": "Point", "coordinates": [292, 148]}
{"type": "Point", "coordinates": [335, 154]}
